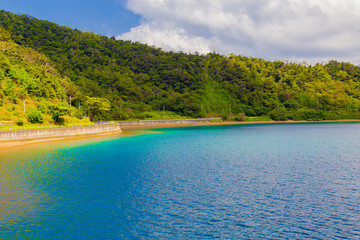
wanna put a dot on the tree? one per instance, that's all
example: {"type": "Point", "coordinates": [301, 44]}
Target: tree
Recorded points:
{"type": "Point", "coordinates": [96, 105]}
{"type": "Point", "coordinates": [58, 110]}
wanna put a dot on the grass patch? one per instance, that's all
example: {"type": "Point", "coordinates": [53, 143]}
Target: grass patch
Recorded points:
{"type": "Point", "coordinates": [261, 118]}
{"type": "Point", "coordinates": [216, 120]}
{"type": "Point", "coordinates": [156, 115]}
{"type": "Point", "coordinates": [68, 122]}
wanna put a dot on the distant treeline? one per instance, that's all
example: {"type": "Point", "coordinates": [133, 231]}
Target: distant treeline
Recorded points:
{"type": "Point", "coordinates": [137, 78]}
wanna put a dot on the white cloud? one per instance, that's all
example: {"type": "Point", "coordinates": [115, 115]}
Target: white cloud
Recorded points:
{"type": "Point", "coordinates": [312, 30]}
{"type": "Point", "coordinates": [174, 38]}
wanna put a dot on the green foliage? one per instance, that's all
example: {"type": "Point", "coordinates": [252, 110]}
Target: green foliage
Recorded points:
{"type": "Point", "coordinates": [142, 79]}
{"type": "Point", "coordinates": [10, 108]}
{"type": "Point", "coordinates": [35, 116]}
{"type": "Point", "coordinates": [156, 115]}
{"type": "Point", "coordinates": [9, 87]}
{"type": "Point", "coordinates": [71, 121]}
{"type": "Point", "coordinates": [2, 75]}
{"type": "Point", "coordinates": [216, 120]}
{"type": "Point", "coordinates": [215, 98]}
{"type": "Point", "coordinates": [260, 118]}
{"type": "Point", "coordinates": [96, 106]}
{"type": "Point", "coordinates": [58, 110]}
{"type": "Point", "coordinates": [240, 117]}
{"type": "Point", "coordinates": [4, 35]}
{"type": "Point", "coordinates": [307, 114]}
{"type": "Point", "coordinates": [20, 122]}
{"type": "Point", "coordinates": [291, 104]}
{"type": "Point", "coordinates": [29, 76]}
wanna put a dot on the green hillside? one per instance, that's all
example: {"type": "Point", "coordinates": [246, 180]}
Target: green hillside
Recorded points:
{"type": "Point", "coordinates": [31, 89]}
{"type": "Point", "coordinates": [138, 79]}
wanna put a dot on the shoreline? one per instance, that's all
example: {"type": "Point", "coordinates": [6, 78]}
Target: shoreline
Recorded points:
{"type": "Point", "coordinates": [154, 126]}
{"type": "Point", "coordinates": [137, 129]}
{"type": "Point", "coordinates": [17, 143]}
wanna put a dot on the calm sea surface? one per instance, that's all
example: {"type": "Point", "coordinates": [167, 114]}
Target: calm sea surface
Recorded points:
{"type": "Point", "coordinates": [288, 181]}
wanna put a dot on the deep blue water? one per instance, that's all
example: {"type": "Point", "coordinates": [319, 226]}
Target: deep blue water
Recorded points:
{"type": "Point", "coordinates": [288, 181]}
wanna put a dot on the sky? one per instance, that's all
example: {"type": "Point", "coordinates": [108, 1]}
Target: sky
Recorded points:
{"type": "Point", "coordinates": [105, 17]}
{"type": "Point", "coordinates": [296, 30]}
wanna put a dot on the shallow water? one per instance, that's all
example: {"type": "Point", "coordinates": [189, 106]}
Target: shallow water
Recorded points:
{"type": "Point", "coordinates": [288, 181]}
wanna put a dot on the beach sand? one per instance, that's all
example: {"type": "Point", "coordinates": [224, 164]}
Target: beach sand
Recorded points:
{"type": "Point", "coordinates": [141, 129]}
{"type": "Point", "coordinates": [10, 144]}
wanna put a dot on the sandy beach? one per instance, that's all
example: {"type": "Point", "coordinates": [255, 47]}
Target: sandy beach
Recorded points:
{"type": "Point", "coordinates": [9, 144]}
{"type": "Point", "coordinates": [141, 129]}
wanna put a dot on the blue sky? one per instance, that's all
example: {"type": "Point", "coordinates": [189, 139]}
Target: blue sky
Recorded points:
{"type": "Point", "coordinates": [106, 17]}
{"type": "Point", "coordinates": [295, 30]}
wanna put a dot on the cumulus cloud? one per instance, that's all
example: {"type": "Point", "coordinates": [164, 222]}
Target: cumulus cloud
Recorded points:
{"type": "Point", "coordinates": [297, 30]}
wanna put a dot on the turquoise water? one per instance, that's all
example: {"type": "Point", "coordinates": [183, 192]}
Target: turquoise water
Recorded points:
{"type": "Point", "coordinates": [288, 181]}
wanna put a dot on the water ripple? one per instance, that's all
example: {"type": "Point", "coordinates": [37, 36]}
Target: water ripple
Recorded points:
{"type": "Point", "coordinates": [235, 182]}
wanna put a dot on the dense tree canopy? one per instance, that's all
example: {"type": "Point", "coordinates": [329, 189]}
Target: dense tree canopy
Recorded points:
{"type": "Point", "coordinates": [29, 84]}
{"type": "Point", "coordinates": [141, 78]}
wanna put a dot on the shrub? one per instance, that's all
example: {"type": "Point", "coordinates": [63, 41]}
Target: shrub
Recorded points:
{"type": "Point", "coordinates": [13, 98]}
{"type": "Point", "coordinates": [67, 120]}
{"type": "Point", "coordinates": [2, 75]}
{"type": "Point", "coordinates": [216, 120]}
{"type": "Point", "coordinates": [57, 111]}
{"type": "Point", "coordinates": [279, 114]}
{"type": "Point", "coordinates": [291, 104]}
{"type": "Point", "coordinates": [41, 108]}
{"type": "Point", "coordinates": [60, 120]}
{"type": "Point", "coordinates": [240, 117]}
{"type": "Point", "coordinates": [309, 114]}
{"type": "Point", "coordinates": [124, 116]}
{"type": "Point", "coordinates": [35, 116]}
{"type": "Point", "coordinates": [20, 122]}
{"type": "Point", "coordinates": [225, 116]}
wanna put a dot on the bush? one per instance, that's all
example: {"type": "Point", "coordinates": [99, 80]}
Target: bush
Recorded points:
{"type": "Point", "coordinates": [260, 111]}
{"type": "Point", "coordinates": [60, 120]}
{"type": "Point", "coordinates": [308, 114]}
{"type": "Point", "coordinates": [41, 108]}
{"type": "Point", "coordinates": [13, 98]}
{"type": "Point", "coordinates": [57, 111]}
{"type": "Point", "coordinates": [69, 121]}
{"type": "Point", "coordinates": [35, 116]}
{"type": "Point", "coordinates": [2, 75]}
{"type": "Point", "coordinates": [10, 108]}
{"type": "Point", "coordinates": [216, 120]}
{"type": "Point", "coordinates": [240, 117]}
{"type": "Point", "coordinates": [250, 112]}
{"type": "Point", "coordinates": [124, 116]}
{"type": "Point", "coordinates": [279, 114]}
{"type": "Point", "coordinates": [291, 104]}
{"type": "Point", "coordinates": [225, 116]}
{"type": "Point", "coordinates": [139, 115]}
{"type": "Point", "coordinates": [20, 122]}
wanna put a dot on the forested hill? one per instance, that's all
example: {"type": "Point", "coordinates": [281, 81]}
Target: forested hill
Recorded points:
{"type": "Point", "coordinates": [143, 79]}
{"type": "Point", "coordinates": [30, 87]}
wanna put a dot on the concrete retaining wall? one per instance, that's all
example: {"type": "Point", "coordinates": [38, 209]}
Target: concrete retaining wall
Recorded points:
{"type": "Point", "coordinates": [156, 122]}
{"type": "Point", "coordinates": [58, 132]}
